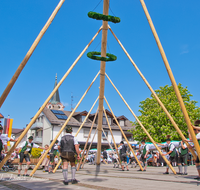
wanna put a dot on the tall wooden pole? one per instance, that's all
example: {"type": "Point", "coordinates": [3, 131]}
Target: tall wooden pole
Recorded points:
{"type": "Point", "coordinates": [123, 134]}
{"type": "Point", "coordinates": [29, 53]}
{"type": "Point", "coordinates": [89, 147]}
{"type": "Point", "coordinates": [47, 100]}
{"type": "Point", "coordinates": [62, 128]}
{"type": "Point", "coordinates": [179, 97]}
{"type": "Point", "coordinates": [87, 140]}
{"type": "Point", "coordinates": [102, 79]}
{"type": "Point", "coordinates": [147, 133]}
{"type": "Point", "coordinates": [155, 95]}
{"type": "Point", "coordinates": [112, 135]}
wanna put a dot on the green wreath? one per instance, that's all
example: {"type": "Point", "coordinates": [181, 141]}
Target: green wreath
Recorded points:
{"type": "Point", "coordinates": [92, 55]}
{"type": "Point", "coordinates": [99, 16]}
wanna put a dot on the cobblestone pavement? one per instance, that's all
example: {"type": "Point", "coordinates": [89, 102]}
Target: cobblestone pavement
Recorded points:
{"type": "Point", "coordinates": [108, 178]}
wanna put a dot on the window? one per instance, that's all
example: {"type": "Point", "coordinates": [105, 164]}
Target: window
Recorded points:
{"type": "Point", "coordinates": [83, 118]}
{"type": "Point", "coordinates": [105, 121]}
{"type": "Point", "coordinates": [103, 136]}
{"type": "Point", "coordinates": [86, 133]}
{"type": "Point", "coordinates": [121, 123]}
{"type": "Point", "coordinates": [36, 134]}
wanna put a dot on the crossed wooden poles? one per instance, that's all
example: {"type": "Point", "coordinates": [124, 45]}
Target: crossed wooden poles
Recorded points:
{"type": "Point", "coordinates": [4, 95]}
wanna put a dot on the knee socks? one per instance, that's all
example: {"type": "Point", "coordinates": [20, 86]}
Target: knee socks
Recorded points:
{"type": "Point", "coordinates": [73, 170]}
{"type": "Point", "coordinates": [65, 172]}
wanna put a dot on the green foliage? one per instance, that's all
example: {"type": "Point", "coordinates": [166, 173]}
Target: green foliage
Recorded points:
{"type": "Point", "coordinates": [92, 55]}
{"type": "Point", "coordinates": [156, 121]}
{"type": "Point", "coordinates": [99, 16]}
{"type": "Point", "coordinates": [36, 152]}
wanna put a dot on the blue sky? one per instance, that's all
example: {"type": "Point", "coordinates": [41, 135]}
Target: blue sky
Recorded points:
{"type": "Point", "coordinates": [177, 25]}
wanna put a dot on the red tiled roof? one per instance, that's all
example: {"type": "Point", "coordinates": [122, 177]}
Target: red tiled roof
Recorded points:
{"type": "Point", "coordinates": [1, 116]}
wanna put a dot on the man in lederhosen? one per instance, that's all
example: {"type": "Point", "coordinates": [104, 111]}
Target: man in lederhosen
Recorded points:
{"type": "Point", "coordinates": [123, 152]}
{"type": "Point", "coordinates": [182, 158]}
{"type": "Point", "coordinates": [69, 149]}
{"type": "Point", "coordinates": [172, 153]}
{"type": "Point", "coordinates": [145, 151]}
{"type": "Point", "coordinates": [26, 148]}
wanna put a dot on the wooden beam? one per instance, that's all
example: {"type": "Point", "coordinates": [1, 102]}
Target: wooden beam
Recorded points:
{"type": "Point", "coordinates": [29, 53]}
{"type": "Point", "coordinates": [173, 81]}
{"type": "Point", "coordinates": [102, 79]}
{"type": "Point", "coordinates": [155, 95]}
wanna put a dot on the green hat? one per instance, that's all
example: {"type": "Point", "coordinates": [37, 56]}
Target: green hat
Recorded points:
{"type": "Point", "coordinates": [168, 139]}
{"type": "Point", "coordinates": [1, 128]}
{"type": "Point", "coordinates": [142, 140]}
{"type": "Point", "coordinates": [68, 129]}
{"type": "Point", "coordinates": [31, 138]}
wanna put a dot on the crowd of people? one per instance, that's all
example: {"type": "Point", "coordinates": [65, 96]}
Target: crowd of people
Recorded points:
{"type": "Point", "coordinates": [68, 150]}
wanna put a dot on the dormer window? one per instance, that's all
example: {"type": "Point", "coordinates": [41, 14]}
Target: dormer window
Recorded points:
{"type": "Point", "coordinates": [83, 118]}
{"type": "Point", "coordinates": [105, 121]}
{"type": "Point", "coordinates": [122, 123]}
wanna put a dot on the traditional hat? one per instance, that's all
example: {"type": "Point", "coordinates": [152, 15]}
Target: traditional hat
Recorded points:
{"type": "Point", "coordinates": [31, 138]}
{"type": "Point", "coordinates": [122, 142]}
{"type": "Point", "coordinates": [69, 129]}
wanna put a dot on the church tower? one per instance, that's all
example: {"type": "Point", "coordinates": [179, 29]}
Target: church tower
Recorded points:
{"type": "Point", "coordinates": [55, 103]}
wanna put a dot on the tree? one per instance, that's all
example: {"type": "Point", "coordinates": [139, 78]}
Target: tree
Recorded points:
{"type": "Point", "coordinates": [156, 121]}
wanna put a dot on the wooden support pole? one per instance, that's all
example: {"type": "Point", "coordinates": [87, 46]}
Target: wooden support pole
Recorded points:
{"type": "Point", "coordinates": [110, 145]}
{"type": "Point", "coordinates": [62, 128]}
{"type": "Point", "coordinates": [45, 103]}
{"type": "Point", "coordinates": [89, 147]}
{"type": "Point", "coordinates": [112, 135]}
{"type": "Point", "coordinates": [87, 117]}
{"type": "Point", "coordinates": [173, 81]}
{"type": "Point", "coordinates": [155, 95]}
{"type": "Point", "coordinates": [123, 134]}
{"type": "Point", "coordinates": [59, 162]}
{"type": "Point", "coordinates": [29, 53]}
{"type": "Point", "coordinates": [102, 79]}
{"type": "Point", "coordinates": [147, 133]}
{"type": "Point", "coordinates": [87, 140]}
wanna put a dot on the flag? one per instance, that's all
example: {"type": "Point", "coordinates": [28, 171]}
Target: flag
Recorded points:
{"type": "Point", "coordinates": [8, 128]}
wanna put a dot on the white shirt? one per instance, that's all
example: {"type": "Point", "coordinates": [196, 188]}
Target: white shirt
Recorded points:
{"type": "Point", "coordinates": [172, 146]}
{"type": "Point", "coordinates": [4, 138]}
{"type": "Point", "coordinates": [198, 136]}
{"type": "Point", "coordinates": [184, 145]}
{"type": "Point", "coordinates": [28, 145]}
{"type": "Point", "coordinates": [142, 147]}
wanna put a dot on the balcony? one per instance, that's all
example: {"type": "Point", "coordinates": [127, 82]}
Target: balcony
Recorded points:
{"type": "Point", "coordinates": [37, 125]}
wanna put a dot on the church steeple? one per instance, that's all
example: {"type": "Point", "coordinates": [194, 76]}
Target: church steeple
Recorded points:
{"type": "Point", "coordinates": [56, 98]}
{"type": "Point", "coordinates": [55, 103]}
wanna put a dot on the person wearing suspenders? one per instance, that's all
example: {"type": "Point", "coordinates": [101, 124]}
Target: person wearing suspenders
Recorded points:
{"type": "Point", "coordinates": [196, 130]}
{"type": "Point", "coordinates": [145, 152]}
{"type": "Point", "coordinates": [172, 153]}
{"type": "Point", "coordinates": [122, 151]}
{"type": "Point", "coordinates": [26, 148]}
{"type": "Point", "coordinates": [69, 150]}
{"type": "Point", "coordinates": [182, 158]}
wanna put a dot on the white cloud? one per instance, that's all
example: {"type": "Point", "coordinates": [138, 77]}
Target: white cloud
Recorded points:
{"type": "Point", "coordinates": [184, 49]}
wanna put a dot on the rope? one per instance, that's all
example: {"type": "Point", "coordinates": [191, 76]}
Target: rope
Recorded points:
{"type": "Point", "coordinates": [97, 5]}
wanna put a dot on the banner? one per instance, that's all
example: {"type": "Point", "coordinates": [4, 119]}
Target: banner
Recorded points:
{"type": "Point", "coordinates": [8, 128]}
